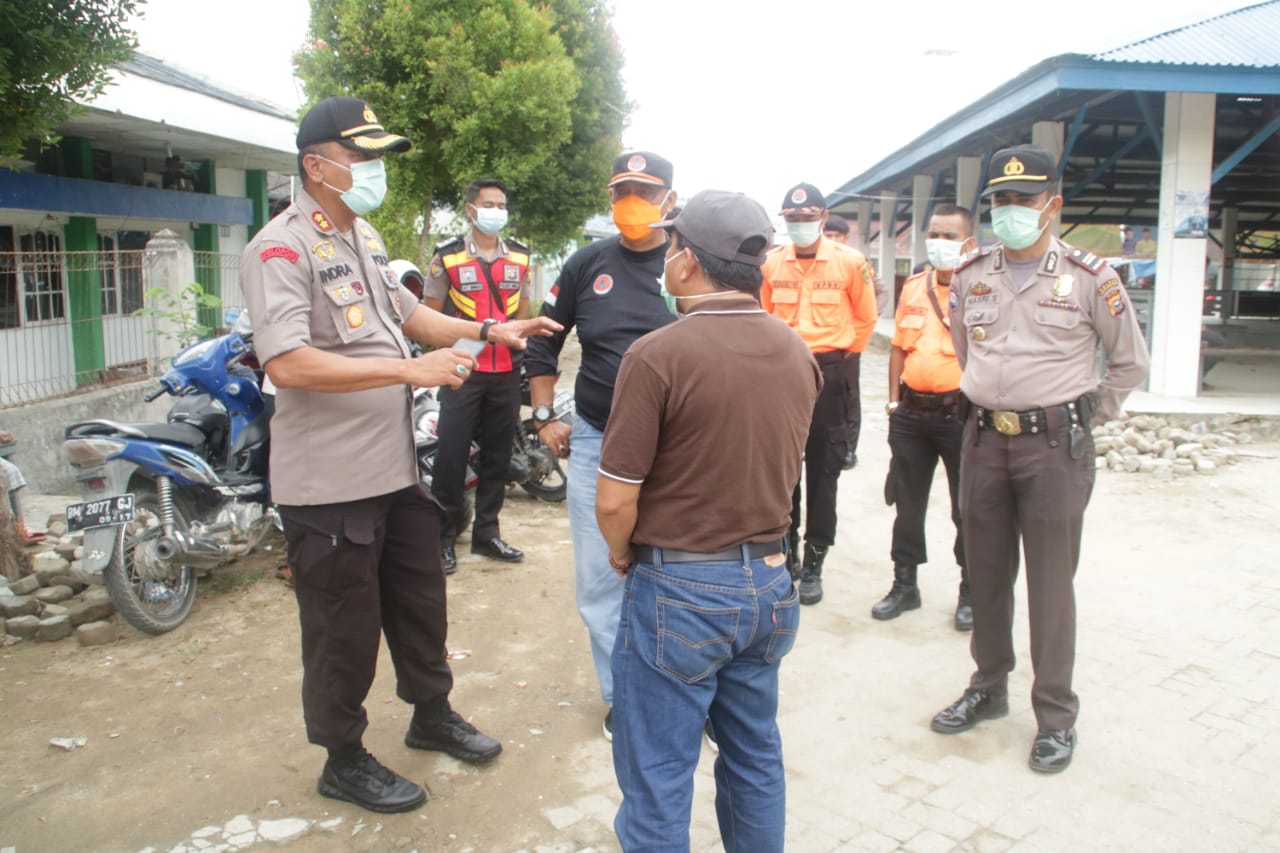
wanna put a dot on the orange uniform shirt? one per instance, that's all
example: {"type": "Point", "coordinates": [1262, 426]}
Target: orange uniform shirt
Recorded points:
{"type": "Point", "coordinates": [931, 366]}
{"type": "Point", "coordinates": [831, 302]}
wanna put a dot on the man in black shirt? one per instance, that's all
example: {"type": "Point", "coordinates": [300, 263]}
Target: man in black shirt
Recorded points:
{"type": "Point", "coordinates": [609, 290]}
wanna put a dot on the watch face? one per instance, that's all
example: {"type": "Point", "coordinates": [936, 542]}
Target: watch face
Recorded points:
{"type": "Point", "coordinates": [543, 413]}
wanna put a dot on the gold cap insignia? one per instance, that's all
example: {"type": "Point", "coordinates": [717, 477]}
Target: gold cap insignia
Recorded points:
{"type": "Point", "coordinates": [1014, 167]}
{"type": "Point", "coordinates": [369, 116]}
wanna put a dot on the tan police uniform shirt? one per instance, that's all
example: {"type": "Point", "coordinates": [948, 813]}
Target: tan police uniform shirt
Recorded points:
{"type": "Point", "coordinates": [307, 285]}
{"type": "Point", "coordinates": [1035, 346]}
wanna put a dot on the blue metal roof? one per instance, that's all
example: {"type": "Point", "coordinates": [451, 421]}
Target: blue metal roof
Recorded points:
{"type": "Point", "coordinates": [1248, 37]}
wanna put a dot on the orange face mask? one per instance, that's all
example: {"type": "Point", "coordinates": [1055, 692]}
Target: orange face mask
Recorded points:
{"type": "Point", "coordinates": [633, 216]}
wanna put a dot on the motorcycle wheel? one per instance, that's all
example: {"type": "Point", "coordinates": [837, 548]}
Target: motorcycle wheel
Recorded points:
{"type": "Point", "coordinates": [546, 480]}
{"type": "Point", "coordinates": [153, 607]}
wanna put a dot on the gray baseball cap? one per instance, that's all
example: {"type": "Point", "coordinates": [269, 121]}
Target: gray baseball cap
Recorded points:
{"type": "Point", "coordinates": [722, 223]}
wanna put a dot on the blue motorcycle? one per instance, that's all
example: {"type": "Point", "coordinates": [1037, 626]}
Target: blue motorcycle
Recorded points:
{"type": "Point", "coordinates": [166, 501]}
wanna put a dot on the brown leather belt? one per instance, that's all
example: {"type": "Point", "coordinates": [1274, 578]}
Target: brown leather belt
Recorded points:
{"type": "Point", "coordinates": [755, 551]}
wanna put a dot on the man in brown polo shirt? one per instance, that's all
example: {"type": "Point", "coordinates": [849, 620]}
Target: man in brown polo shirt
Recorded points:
{"type": "Point", "coordinates": [709, 421]}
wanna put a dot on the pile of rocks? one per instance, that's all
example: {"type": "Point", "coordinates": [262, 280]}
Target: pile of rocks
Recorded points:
{"type": "Point", "coordinates": [1147, 444]}
{"type": "Point", "coordinates": [53, 601]}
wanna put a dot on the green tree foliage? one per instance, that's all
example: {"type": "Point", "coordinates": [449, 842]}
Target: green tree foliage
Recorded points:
{"type": "Point", "coordinates": [522, 91]}
{"type": "Point", "coordinates": [53, 53]}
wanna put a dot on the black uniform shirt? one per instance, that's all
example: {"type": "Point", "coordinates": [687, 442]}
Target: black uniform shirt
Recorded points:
{"type": "Point", "coordinates": [611, 294]}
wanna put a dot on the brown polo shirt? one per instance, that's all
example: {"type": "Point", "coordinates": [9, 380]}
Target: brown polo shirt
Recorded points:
{"type": "Point", "coordinates": [710, 416]}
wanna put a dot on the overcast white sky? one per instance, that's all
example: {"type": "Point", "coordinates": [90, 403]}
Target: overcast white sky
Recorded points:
{"type": "Point", "coordinates": [742, 94]}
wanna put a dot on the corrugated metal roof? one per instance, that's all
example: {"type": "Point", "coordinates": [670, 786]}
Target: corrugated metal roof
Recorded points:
{"type": "Point", "coordinates": [1246, 37]}
{"type": "Point", "coordinates": [162, 72]}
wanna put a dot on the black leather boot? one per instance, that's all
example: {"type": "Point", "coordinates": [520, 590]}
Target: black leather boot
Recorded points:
{"type": "Point", "coordinates": [811, 573]}
{"type": "Point", "coordinates": [903, 595]}
{"type": "Point", "coordinates": [793, 554]}
{"type": "Point", "coordinates": [964, 607]}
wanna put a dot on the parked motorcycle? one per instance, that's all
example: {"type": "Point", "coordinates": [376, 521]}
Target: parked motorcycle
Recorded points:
{"type": "Point", "coordinates": [164, 501]}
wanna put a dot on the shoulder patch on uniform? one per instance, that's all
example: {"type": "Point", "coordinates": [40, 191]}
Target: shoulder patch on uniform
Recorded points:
{"type": "Point", "coordinates": [279, 252]}
{"type": "Point", "coordinates": [972, 256]}
{"type": "Point", "coordinates": [516, 244]}
{"type": "Point", "coordinates": [1088, 260]}
{"type": "Point", "coordinates": [449, 244]}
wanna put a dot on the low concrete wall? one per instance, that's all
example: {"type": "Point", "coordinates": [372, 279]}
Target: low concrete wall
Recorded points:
{"type": "Point", "coordinates": [39, 428]}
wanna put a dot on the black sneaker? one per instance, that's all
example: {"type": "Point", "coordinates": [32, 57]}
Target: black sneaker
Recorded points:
{"type": "Point", "coordinates": [361, 779]}
{"type": "Point", "coordinates": [608, 726]}
{"type": "Point", "coordinates": [454, 735]}
{"type": "Point", "coordinates": [709, 731]}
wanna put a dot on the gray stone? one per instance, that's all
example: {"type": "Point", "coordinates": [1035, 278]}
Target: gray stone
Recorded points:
{"type": "Point", "coordinates": [1132, 463]}
{"type": "Point", "coordinates": [1, 627]}
{"type": "Point", "coordinates": [66, 549]}
{"type": "Point", "coordinates": [1186, 449]}
{"type": "Point", "coordinates": [90, 610]}
{"type": "Point", "coordinates": [22, 626]}
{"type": "Point", "coordinates": [57, 525]}
{"type": "Point", "coordinates": [1101, 463]}
{"type": "Point", "coordinates": [1163, 473]}
{"type": "Point", "coordinates": [48, 564]}
{"type": "Point", "coordinates": [97, 593]}
{"type": "Point", "coordinates": [54, 628]}
{"type": "Point", "coordinates": [18, 605]}
{"type": "Point", "coordinates": [54, 594]}
{"type": "Point", "coordinates": [1183, 467]}
{"type": "Point", "coordinates": [1169, 453]}
{"type": "Point", "coordinates": [25, 586]}
{"type": "Point", "coordinates": [48, 610]}
{"type": "Point", "coordinates": [1206, 466]}
{"type": "Point", "coordinates": [237, 825]}
{"type": "Point", "coordinates": [1128, 450]}
{"type": "Point", "coordinates": [96, 634]}
{"type": "Point", "coordinates": [1102, 446]}
{"type": "Point", "coordinates": [1164, 432]}
{"type": "Point", "coordinates": [1114, 460]}
{"type": "Point", "coordinates": [1147, 422]}
{"type": "Point", "coordinates": [1178, 436]}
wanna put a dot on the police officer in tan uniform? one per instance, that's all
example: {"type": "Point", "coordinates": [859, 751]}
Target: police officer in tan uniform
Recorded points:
{"type": "Point", "coordinates": [329, 320]}
{"type": "Point", "coordinates": [1026, 319]}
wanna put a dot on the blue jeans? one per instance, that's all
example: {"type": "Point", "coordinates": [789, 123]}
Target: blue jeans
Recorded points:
{"type": "Point", "coordinates": [699, 641]}
{"type": "Point", "coordinates": [599, 590]}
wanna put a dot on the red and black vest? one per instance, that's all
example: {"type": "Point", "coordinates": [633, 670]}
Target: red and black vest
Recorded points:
{"type": "Point", "coordinates": [483, 290]}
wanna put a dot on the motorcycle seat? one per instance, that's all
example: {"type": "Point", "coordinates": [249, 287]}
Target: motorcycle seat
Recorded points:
{"type": "Point", "coordinates": [174, 433]}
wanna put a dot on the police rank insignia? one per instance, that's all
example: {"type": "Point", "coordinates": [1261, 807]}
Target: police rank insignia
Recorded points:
{"type": "Point", "coordinates": [374, 246]}
{"type": "Point", "coordinates": [323, 250]}
{"type": "Point", "coordinates": [366, 232]}
{"type": "Point", "coordinates": [980, 289]}
{"type": "Point", "coordinates": [355, 317]}
{"type": "Point", "coordinates": [1062, 287]}
{"type": "Point", "coordinates": [343, 293]}
{"type": "Point", "coordinates": [321, 221]}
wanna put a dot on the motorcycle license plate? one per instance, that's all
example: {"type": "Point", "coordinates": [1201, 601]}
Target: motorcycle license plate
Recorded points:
{"type": "Point", "coordinates": [113, 510]}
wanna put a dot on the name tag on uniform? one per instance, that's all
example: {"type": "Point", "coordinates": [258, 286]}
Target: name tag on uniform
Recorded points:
{"type": "Point", "coordinates": [467, 275]}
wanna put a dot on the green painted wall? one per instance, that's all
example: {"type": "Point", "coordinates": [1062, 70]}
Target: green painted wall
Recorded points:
{"type": "Point", "coordinates": [208, 270]}
{"type": "Point", "coordinates": [255, 189]}
{"type": "Point", "coordinates": [84, 281]}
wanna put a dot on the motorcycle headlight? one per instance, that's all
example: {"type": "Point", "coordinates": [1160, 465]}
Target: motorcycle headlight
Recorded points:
{"type": "Point", "coordinates": [87, 452]}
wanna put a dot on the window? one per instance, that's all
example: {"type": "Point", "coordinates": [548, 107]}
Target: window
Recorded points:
{"type": "Point", "coordinates": [10, 314]}
{"type": "Point", "coordinates": [132, 246]}
{"type": "Point", "coordinates": [40, 268]}
{"type": "Point", "coordinates": [107, 270]}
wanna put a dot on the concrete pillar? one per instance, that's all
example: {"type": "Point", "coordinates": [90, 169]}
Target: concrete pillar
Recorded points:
{"type": "Point", "coordinates": [1048, 135]}
{"type": "Point", "coordinates": [170, 267]}
{"type": "Point", "coordinates": [862, 242]}
{"type": "Point", "coordinates": [1226, 275]}
{"type": "Point", "coordinates": [888, 260]}
{"type": "Point", "coordinates": [1186, 169]}
{"type": "Point", "coordinates": [968, 178]}
{"type": "Point", "coordinates": [255, 189]}
{"type": "Point", "coordinates": [208, 275]}
{"type": "Point", "coordinates": [84, 294]}
{"type": "Point", "coordinates": [921, 188]}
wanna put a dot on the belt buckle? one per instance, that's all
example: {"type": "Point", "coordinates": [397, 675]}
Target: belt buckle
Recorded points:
{"type": "Point", "coordinates": [1006, 423]}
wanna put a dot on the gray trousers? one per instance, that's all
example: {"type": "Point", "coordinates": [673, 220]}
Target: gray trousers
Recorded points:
{"type": "Point", "coordinates": [1025, 488]}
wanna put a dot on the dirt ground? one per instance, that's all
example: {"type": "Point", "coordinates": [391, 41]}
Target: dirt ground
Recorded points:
{"type": "Point", "coordinates": [192, 728]}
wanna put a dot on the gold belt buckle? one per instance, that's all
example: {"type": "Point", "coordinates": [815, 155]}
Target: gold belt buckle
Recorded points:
{"type": "Point", "coordinates": [1006, 423]}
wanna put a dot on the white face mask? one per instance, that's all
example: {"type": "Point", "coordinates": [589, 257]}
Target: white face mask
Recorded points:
{"type": "Point", "coordinates": [490, 220]}
{"type": "Point", "coordinates": [944, 254]}
{"type": "Point", "coordinates": [662, 284]}
{"type": "Point", "coordinates": [804, 233]}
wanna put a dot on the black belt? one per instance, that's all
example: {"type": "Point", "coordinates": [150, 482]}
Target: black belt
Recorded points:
{"type": "Point", "coordinates": [924, 400]}
{"type": "Point", "coordinates": [1029, 422]}
{"type": "Point", "coordinates": [755, 550]}
{"type": "Point", "coordinates": [829, 358]}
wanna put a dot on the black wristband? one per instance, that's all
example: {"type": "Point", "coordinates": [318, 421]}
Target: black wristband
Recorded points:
{"type": "Point", "coordinates": [485, 326]}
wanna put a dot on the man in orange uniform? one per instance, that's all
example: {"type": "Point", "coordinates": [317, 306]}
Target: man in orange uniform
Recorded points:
{"type": "Point", "coordinates": [823, 290]}
{"type": "Point", "coordinates": [924, 413]}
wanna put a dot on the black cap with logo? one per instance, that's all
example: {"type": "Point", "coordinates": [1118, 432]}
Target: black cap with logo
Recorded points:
{"type": "Point", "coordinates": [1026, 169]}
{"type": "Point", "coordinates": [642, 166]}
{"type": "Point", "coordinates": [803, 197]}
{"type": "Point", "coordinates": [349, 122]}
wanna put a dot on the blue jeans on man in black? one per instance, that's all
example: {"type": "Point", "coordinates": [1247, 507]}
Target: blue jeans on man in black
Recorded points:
{"type": "Point", "coordinates": [699, 641]}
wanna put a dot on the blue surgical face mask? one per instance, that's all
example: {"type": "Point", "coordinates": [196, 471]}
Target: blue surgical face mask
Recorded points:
{"type": "Point", "coordinates": [662, 284]}
{"type": "Point", "coordinates": [1016, 226]}
{"type": "Point", "coordinates": [368, 185]}
{"type": "Point", "coordinates": [490, 220]}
